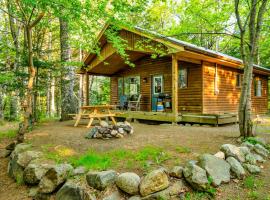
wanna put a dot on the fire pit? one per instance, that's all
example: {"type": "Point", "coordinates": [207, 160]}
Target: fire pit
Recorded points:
{"type": "Point", "coordinates": [106, 131]}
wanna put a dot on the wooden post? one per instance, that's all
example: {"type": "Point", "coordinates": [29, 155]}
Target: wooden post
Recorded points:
{"type": "Point", "coordinates": [174, 87]}
{"type": "Point", "coordinates": [86, 90]}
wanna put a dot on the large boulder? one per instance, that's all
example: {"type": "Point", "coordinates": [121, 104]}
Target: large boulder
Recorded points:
{"type": "Point", "coordinates": [19, 159]}
{"type": "Point", "coordinates": [54, 177]}
{"type": "Point", "coordinates": [253, 169]}
{"type": "Point", "coordinates": [176, 172]}
{"type": "Point", "coordinates": [100, 180]}
{"type": "Point", "coordinates": [73, 190]}
{"type": "Point", "coordinates": [172, 192]}
{"type": "Point", "coordinates": [236, 167]}
{"type": "Point", "coordinates": [233, 151]}
{"type": "Point", "coordinates": [35, 171]}
{"type": "Point", "coordinates": [153, 182]}
{"type": "Point", "coordinates": [26, 157]}
{"type": "Point", "coordinates": [196, 176]}
{"type": "Point", "coordinates": [128, 182]}
{"type": "Point", "coordinates": [259, 149]}
{"type": "Point", "coordinates": [218, 169]}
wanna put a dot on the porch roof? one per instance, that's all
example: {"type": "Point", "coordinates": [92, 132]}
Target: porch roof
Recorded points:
{"type": "Point", "coordinates": [184, 50]}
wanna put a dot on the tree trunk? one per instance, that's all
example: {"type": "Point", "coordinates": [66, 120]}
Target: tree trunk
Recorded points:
{"type": "Point", "coordinates": [68, 104]}
{"type": "Point", "coordinates": [27, 104]}
{"type": "Point", "coordinates": [1, 105]}
{"type": "Point", "coordinates": [53, 110]}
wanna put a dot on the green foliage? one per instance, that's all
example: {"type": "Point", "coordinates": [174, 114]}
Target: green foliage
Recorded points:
{"type": "Point", "coordinates": [251, 182]}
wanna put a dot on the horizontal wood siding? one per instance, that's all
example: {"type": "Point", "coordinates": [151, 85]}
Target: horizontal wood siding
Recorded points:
{"type": "Point", "coordinates": [190, 98]}
{"type": "Point", "coordinates": [227, 99]}
{"type": "Point", "coordinates": [114, 91]}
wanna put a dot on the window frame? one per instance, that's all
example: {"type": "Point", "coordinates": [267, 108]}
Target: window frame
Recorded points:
{"type": "Point", "coordinates": [256, 89]}
{"type": "Point", "coordinates": [185, 69]}
{"type": "Point", "coordinates": [238, 80]}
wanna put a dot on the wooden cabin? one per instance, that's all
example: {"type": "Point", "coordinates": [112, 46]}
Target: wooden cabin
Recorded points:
{"type": "Point", "coordinates": [204, 85]}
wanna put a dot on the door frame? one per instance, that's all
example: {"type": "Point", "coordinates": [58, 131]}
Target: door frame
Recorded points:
{"type": "Point", "coordinates": [152, 88]}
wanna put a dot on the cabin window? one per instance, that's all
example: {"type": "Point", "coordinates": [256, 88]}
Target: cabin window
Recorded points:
{"type": "Point", "coordinates": [239, 78]}
{"type": "Point", "coordinates": [182, 76]}
{"type": "Point", "coordinates": [120, 87]}
{"type": "Point", "coordinates": [258, 88]}
{"type": "Point", "coordinates": [132, 85]}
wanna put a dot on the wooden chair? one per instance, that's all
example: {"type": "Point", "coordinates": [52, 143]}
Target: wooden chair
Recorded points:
{"type": "Point", "coordinates": [134, 105]}
{"type": "Point", "coordinates": [123, 102]}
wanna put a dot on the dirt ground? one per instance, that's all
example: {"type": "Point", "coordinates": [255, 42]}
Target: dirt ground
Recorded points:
{"type": "Point", "coordinates": [198, 139]}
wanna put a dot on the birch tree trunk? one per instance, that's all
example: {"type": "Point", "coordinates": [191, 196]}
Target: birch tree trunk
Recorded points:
{"type": "Point", "coordinates": [69, 102]}
{"type": "Point", "coordinates": [250, 29]}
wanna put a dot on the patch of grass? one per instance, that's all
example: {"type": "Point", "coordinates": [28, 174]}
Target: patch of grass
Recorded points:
{"type": "Point", "coordinates": [251, 182]}
{"type": "Point", "coordinates": [8, 134]}
{"type": "Point", "coordinates": [196, 195]}
{"type": "Point", "coordinates": [253, 195]}
{"type": "Point", "coordinates": [144, 158]}
{"type": "Point", "coordinates": [181, 149]}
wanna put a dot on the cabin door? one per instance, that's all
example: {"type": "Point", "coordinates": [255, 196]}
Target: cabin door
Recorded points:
{"type": "Point", "coordinates": [157, 88]}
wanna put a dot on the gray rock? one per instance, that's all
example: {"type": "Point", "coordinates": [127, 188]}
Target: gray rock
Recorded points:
{"type": "Point", "coordinates": [247, 144]}
{"type": "Point", "coordinates": [172, 192]}
{"type": "Point", "coordinates": [104, 124]}
{"type": "Point", "coordinates": [79, 171]}
{"type": "Point", "coordinates": [72, 190]}
{"type": "Point", "coordinates": [120, 124]}
{"type": "Point", "coordinates": [220, 155]}
{"type": "Point", "coordinates": [218, 169]}
{"type": "Point", "coordinates": [233, 151]}
{"type": "Point", "coordinates": [251, 159]}
{"type": "Point", "coordinates": [258, 158]}
{"type": "Point", "coordinates": [36, 195]}
{"type": "Point", "coordinates": [196, 176]}
{"type": "Point", "coordinates": [176, 172]}
{"type": "Point", "coordinates": [253, 169]}
{"type": "Point", "coordinates": [259, 149]}
{"type": "Point", "coordinates": [19, 159]}
{"type": "Point", "coordinates": [236, 167]}
{"type": "Point", "coordinates": [121, 130]}
{"type": "Point", "coordinates": [54, 177]}
{"type": "Point", "coordinates": [34, 172]}
{"type": "Point", "coordinates": [114, 196]}
{"type": "Point", "coordinates": [244, 150]}
{"type": "Point", "coordinates": [100, 180]}
{"type": "Point", "coordinates": [153, 182]}
{"type": "Point", "coordinates": [114, 132]}
{"type": "Point", "coordinates": [128, 182]}
{"type": "Point", "coordinates": [135, 198]}
{"type": "Point", "coordinates": [21, 148]}
{"type": "Point", "coordinates": [4, 153]}
{"type": "Point", "coordinates": [26, 157]}
{"type": "Point", "coordinates": [93, 131]}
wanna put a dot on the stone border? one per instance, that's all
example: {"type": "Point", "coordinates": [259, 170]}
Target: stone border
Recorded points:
{"type": "Point", "coordinates": [62, 180]}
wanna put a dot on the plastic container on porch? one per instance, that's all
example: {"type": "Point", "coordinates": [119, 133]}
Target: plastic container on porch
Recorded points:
{"type": "Point", "coordinates": [160, 107]}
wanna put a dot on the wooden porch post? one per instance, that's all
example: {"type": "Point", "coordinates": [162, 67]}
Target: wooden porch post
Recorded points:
{"type": "Point", "coordinates": [86, 90]}
{"type": "Point", "coordinates": [174, 87]}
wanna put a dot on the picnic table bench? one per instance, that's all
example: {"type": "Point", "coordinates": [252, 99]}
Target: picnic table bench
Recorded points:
{"type": "Point", "coordinates": [96, 111]}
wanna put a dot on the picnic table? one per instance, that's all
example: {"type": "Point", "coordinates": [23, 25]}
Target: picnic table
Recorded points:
{"type": "Point", "coordinates": [96, 111]}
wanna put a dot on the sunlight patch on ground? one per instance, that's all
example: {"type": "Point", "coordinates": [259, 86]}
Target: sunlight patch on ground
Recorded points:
{"type": "Point", "coordinates": [64, 151]}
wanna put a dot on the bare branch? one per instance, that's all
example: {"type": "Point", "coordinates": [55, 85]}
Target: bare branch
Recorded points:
{"type": "Point", "coordinates": [12, 15]}
{"type": "Point", "coordinates": [35, 22]}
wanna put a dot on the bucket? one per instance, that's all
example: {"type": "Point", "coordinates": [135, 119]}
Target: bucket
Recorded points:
{"type": "Point", "coordinates": [160, 107]}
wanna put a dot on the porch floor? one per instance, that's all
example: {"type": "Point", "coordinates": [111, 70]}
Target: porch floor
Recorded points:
{"type": "Point", "coordinates": [214, 119]}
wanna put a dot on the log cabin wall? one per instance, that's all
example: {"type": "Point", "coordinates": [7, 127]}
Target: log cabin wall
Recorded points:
{"type": "Point", "coordinates": [227, 98]}
{"type": "Point", "coordinates": [189, 99]}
